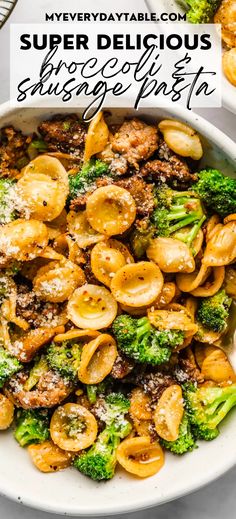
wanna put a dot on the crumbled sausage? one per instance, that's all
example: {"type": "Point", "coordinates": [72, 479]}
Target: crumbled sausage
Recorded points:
{"type": "Point", "coordinates": [50, 391]}
{"type": "Point", "coordinates": [154, 384]}
{"type": "Point", "coordinates": [13, 151]}
{"type": "Point", "coordinates": [141, 192]}
{"type": "Point", "coordinates": [135, 141]}
{"type": "Point", "coordinates": [65, 134]}
{"type": "Point", "coordinates": [121, 367]}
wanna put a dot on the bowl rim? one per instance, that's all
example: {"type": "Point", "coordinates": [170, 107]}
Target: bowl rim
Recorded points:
{"type": "Point", "coordinates": [227, 145]}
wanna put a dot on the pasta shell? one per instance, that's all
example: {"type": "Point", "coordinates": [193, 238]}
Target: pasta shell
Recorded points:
{"type": "Point", "coordinates": [171, 320]}
{"type": "Point", "coordinates": [97, 359]}
{"type": "Point", "coordinates": [56, 281]}
{"type": "Point", "coordinates": [48, 457]}
{"type": "Point", "coordinates": [6, 412]}
{"type": "Point", "coordinates": [105, 261]}
{"type": "Point", "coordinates": [81, 230]}
{"type": "Point", "coordinates": [181, 138]}
{"type": "Point", "coordinates": [73, 427]}
{"type": "Point", "coordinates": [137, 284]}
{"type": "Point", "coordinates": [92, 307]}
{"type": "Point", "coordinates": [97, 137]}
{"type": "Point", "coordinates": [111, 210]}
{"type": "Point", "coordinates": [140, 456]}
{"type": "Point", "coordinates": [171, 255]}
{"type": "Point", "coordinates": [23, 239]}
{"type": "Point", "coordinates": [216, 367]}
{"type": "Point", "coordinates": [221, 248]}
{"type": "Point", "coordinates": [169, 413]}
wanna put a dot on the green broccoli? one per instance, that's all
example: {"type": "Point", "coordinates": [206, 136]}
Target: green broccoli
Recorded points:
{"type": "Point", "coordinates": [7, 204]}
{"type": "Point", "coordinates": [39, 368]}
{"type": "Point", "coordinates": [84, 179]}
{"type": "Point", "coordinates": [206, 407]}
{"type": "Point", "coordinates": [200, 11]}
{"type": "Point", "coordinates": [64, 357]}
{"type": "Point", "coordinates": [213, 311]}
{"type": "Point", "coordinates": [138, 339]}
{"type": "Point", "coordinates": [216, 191]}
{"type": "Point", "coordinates": [185, 441]}
{"type": "Point", "coordinates": [96, 390]}
{"type": "Point", "coordinates": [176, 210]}
{"type": "Point", "coordinates": [9, 365]}
{"type": "Point", "coordinates": [99, 461]}
{"type": "Point", "coordinates": [140, 239]}
{"type": "Point", "coordinates": [32, 426]}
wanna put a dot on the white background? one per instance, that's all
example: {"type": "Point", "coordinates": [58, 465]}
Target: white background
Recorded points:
{"type": "Point", "coordinates": [216, 501]}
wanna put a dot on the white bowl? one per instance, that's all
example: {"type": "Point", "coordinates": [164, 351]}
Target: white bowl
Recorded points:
{"type": "Point", "coordinates": [171, 6]}
{"type": "Point", "coordinates": [71, 493]}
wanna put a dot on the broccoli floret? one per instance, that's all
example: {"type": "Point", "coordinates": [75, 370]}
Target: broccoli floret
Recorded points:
{"type": "Point", "coordinates": [83, 180]}
{"type": "Point", "coordinates": [201, 11]}
{"type": "Point", "coordinates": [99, 461]}
{"type": "Point", "coordinates": [213, 312]}
{"type": "Point", "coordinates": [207, 407]}
{"type": "Point", "coordinates": [96, 390]}
{"type": "Point", "coordinates": [140, 239]}
{"type": "Point", "coordinates": [185, 441]}
{"type": "Point", "coordinates": [176, 210]}
{"type": "Point", "coordinates": [32, 426]}
{"type": "Point", "coordinates": [138, 339]}
{"type": "Point", "coordinates": [9, 365]}
{"type": "Point", "coordinates": [64, 357]}
{"type": "Point", "coordinates": [7, 205]}
{"type": "Point", "coordinates": [40, 367]}
{"type": "Point", "coordinates": [216, 191]}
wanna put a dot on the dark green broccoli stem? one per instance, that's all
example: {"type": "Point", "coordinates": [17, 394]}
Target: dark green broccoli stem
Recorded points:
{"type": "Point", "coordinates": [9, 365]}
{"type": "Point", "coordinates": [32, 426]}
{"type": "Point", "coordinates": [185, 441]}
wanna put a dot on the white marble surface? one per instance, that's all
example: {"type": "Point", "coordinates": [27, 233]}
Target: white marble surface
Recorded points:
{"type": "Point", "coordinates": [218, 499]}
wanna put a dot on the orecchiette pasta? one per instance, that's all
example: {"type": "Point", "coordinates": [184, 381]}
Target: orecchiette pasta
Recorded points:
{"type": "Point", "coordinates": [140, 456]}
{"type": "Point", "coordinates": [56, 281]}
{"type": "Point", "coordinates": [172, 320]}
{"type": "Point", "coordinates": [97, 136]}
{"type": "Point", "coordinates": [48, 457]}
{"type": "Point", "coordinates": [23, 239]}
{"type": "Point", "coordinates": [97, 359]}
{"type": "Point", "coordinates": [169, 413]}
{"type": "Point", "coordinates": [140, 405]}
{"type": "Point", "coordinates": [171, 255]}
{"type": "Point", "coordinates": [92, 307]}
{"type": "Point", "coordinates": [221, 248]}
{"type": "Point", "coordinates": [6, 412]}
{"type": "Point", "coordinates": [216, 367]}
{"type": "Point", "coordinates": [137, 284]}
{"type": "Point", "coordinates": [81, 230]}
{"type": "Point", "coordinates": [44, 188]}
{"type": "Point", "coordinates": [73, 427]}
{"type": "Point", "coordinates": [181, 138]}
{"type": "Point", "coordinates": [105, 261]}
{"type": "Point", "coordinates": [110, 210]}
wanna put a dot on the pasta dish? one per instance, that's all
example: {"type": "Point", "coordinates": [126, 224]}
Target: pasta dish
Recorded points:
{"type": "Point", "coordinates": [117, 284]}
